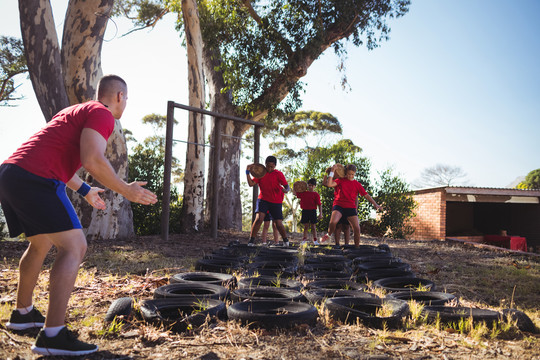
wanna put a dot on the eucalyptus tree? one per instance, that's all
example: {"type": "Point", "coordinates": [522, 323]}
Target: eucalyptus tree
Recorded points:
{"type": "Point", "coordinates": [12, 63]}
{"type": "Point", "coordinates": [66, 75]}
{"type": "Point", "coordinates": [256, 52]}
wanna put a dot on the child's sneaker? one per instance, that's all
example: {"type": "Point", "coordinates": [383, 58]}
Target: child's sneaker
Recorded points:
{"type": "Point", "coordinates": [285, 244]}
{"type": "Point", "coordinates": [324, 238]}
{"type": "Point", "coordinates": [65, 343]}
{"type": "Point", "coordinates": [33, 319]}
{"type": "Point", "coordinates": [251, 242]}
{"type": "Point", "coordinates": [315, 242]}
{"type": "Point", "coordinates": [304, 241]}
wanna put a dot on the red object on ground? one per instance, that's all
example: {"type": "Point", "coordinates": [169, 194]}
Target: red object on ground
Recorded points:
{"type": "Point", "coordinates": [498, 240]}
{"type": "Point", "coordinates": [518, 243]}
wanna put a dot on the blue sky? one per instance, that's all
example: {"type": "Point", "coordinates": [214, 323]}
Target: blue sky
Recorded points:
{"type": "Point", "coordinates": [458, 83]}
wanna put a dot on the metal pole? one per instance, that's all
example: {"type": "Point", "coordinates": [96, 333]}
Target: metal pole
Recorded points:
{"type": "Point", "coordinates": [215, 185]}
{"type": "Point", "coordinates": [165, 206]}
{"type": "Point", "coordinates": [256, 155]}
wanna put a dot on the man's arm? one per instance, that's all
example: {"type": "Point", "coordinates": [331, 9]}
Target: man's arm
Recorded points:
{"type": "Point", "coordinates": [92, 197]}
{"type": "Point", "coordinates": [250, 181]}
{"type": "Point", "coordinates": [93, 159]}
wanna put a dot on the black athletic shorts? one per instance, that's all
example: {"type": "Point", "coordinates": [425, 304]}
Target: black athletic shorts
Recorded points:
{"type": "Point", "coordinates": [345, 212]}
{"type": "Point", "coordinates": [267, 207]}
{"type": "Point", "coordinates": [34, 205]}
{"type": "Point", "coordinates": [309, 217]}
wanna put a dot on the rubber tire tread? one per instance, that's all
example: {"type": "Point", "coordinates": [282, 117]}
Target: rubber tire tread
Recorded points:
{"type": "Point", "coordinates": [120, 307]}
{"type": "Point", "coordinates": [191, 290]}
{"type": "Point", "coordinates": [273, 314]}
{"type": "Point", "coordinates": [335, 284]}
{"type": "Point", "coordinates": [320, 295]}
{"type": "Point", "coordinates": [453, 314]}
{"type": "Point", "coordinates": [395, 284]}
{"type": "Point", "coordinates": [522, 320]}
{"type": "Point", "coordinates": [351, 310]}
{"type": "Point", "coordinates": [427, 298]}
{"type": "Point", "coordinates": [206, 277]}
{"type": "Point", "coordinates": [266, 293]}
{"type": "Point", "coordinates": [155, 312]}
{"type": "Point", "coordinates": [251, 282]}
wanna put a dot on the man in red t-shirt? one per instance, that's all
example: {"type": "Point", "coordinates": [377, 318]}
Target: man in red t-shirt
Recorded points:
{"type": "Point", "coordinates": [273, 187]}
{"type": "Point", "coordinates": [347, 190]}
{"type": "Point", "coordinates": [309, 201]}
{"type": "Point", "coordinates": [33, 196]}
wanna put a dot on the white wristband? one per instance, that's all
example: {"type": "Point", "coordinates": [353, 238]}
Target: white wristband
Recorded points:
{"type": "Point", "coordinates": [331, 174]}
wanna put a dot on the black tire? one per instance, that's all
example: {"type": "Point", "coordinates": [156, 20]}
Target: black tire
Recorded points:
{"type": "Point", "coordinates": [395, 284]}
{"type": "Point", "coordinates": [191, 290]}
{"type": "Point", "coordinates": [273, 314]}
{"type": "Point", "coordinates": [336, 284]}
{"type": "Point", "coordinates": [315, 296]}
{"type": "Point", "coordinates": [350, 310]}
{"type": "Point", "coordinates": [266, 293]}
{"type": "Point", "coordinates": [429, 298]}
{"type": "Point", "coordinates": [288, 259]}
{"type": "Point", "coordinates": [274, 265]}
{"type": "Point", "coordinates": [384, 247]}
{"type": "Point", "coordinates": [217, 265]}
{"type": "Point", "coordinates": [225, 280]}
{"type": "Point", "coordinates": [120, 307]}
{"type": "Point", "coordinates": [374, 257]}
{"type": "Point", "coordinates": [451, 314]}
{"type": "Point", "coordinates": [382, 274]}
{"type": "Point", "coordinates": [364, 250]}
{"type": "Point", "coordinates": [278, 251]}
{"type": "Point", "coordinates": [383, 265]}
{"type": "Point", "coordinates": [179, 313]}
{"type": "Point", "coordinates": [329, 266]}
{"type": "Point", "coordinates": [286, 273]}
{"type": "Point", "coordinates": [227, 258]}
{"type": "Point", "coordinates": [317, 259]}
{"type": "Point", "coordinates": [522, 321]}
{"type": "Point", "coordinates": [325, 250]}
{"type": "Point", "coordinates": [270, 281]}
{"type": "Point", "coordinates": [319, 275]}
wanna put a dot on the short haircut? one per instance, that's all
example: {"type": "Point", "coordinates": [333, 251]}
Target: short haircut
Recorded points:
{"type": "Point", "coordinates": [350, 167]}
{"type": "Point", "coordinates": [312, 181]}
{"type": "Point", "coordinates": [271, 159]}
{"type": "Point", "coordinates": [110, 85]}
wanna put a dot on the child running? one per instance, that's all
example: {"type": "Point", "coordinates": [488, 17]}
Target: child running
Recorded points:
{"type": "Point", "coordinates": [309, 201]}
{"type": "Point", "coordinates": [346, 194]}
{"type": "Point", "coordinates": [272, 186]}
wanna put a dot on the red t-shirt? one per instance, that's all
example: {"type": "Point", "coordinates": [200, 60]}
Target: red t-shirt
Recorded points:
{"type": "Point", "coordinates": [54, 152]}
{"type": "Point", "coordinates": [309, 200]}
{"type": "Point", "coordinates": [271, 185]}
{"type": "Point", "coordinates": [347, 192]}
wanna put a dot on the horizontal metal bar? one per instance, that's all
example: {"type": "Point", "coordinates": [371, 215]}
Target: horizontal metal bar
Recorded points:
{"type": "Point", "coordinates": [215, 114]}
{"type": "Point", "coordinates": [193, 143]}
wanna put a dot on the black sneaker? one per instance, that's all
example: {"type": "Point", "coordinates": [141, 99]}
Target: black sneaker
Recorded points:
{"type": "Point", "coordinates": [251, 242]}
{"type": "Point", "coordinates": [65, 343]}
{"type": "Point", "coordinates": [33, 319]}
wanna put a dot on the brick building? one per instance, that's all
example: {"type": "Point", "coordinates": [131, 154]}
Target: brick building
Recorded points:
{"type": "Point", "coordinates": [470, 213]}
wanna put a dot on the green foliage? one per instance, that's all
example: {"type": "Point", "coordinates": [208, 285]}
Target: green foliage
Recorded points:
{"type": "Point", "coordinates": [146, 164]}
{"type": "Point", "coordinates": [3, 232]}
{"type": "Point", "coordinates": [393, 194]}
{"type": "Point", "coordinates": [314, 163]}
{"type": "Point", "coordinates": [532, 181]}
{"type": "Point", "coordinates": [12, 63]}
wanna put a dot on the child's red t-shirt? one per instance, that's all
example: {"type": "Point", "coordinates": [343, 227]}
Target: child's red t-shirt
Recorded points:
{"type": "Point", "coordinates": [346, 193]}
{"type": "Point", "coordinates": [309, 200]}
{"type": "Point", "coordinates": [271, 186]}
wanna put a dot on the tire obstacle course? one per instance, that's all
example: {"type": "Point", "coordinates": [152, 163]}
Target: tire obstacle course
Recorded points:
{"type": "Point", "coordinates": [275, 287]}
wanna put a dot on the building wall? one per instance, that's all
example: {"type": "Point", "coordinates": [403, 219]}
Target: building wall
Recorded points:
{"type": "Point", "coordinates": [430, 220]}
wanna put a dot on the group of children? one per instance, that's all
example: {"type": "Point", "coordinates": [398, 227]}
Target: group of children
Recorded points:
{"type": "Point", "coordinates": [273, 187]}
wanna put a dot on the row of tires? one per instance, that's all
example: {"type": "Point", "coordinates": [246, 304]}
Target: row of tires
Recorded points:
{"type": "Point", "coordinates": [275, 299]}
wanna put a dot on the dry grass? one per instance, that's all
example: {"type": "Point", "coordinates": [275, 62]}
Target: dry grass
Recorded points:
{"type": "Point", "coordinates": [111, 270]}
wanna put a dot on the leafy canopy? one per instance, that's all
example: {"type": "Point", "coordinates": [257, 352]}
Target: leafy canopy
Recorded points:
{"type": "Point", "coordinates": [532, 180]}
{"type": "Point", "coordinates": [12, 63]}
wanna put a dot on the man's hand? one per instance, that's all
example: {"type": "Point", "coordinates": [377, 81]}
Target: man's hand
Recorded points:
{"type": "Point", "coordinates": [94, 199]}
{"type": "Point", "coordinates": [136, 193]}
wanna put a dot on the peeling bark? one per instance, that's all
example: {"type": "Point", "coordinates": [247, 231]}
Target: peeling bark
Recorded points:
{"type": "Point", "coordinates": [193, 201]}
{"type": "Point", "coordinates": [42, 53]}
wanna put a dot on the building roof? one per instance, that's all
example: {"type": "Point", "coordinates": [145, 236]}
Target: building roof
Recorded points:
{"type": "Point", "coordinates": [479, 194]}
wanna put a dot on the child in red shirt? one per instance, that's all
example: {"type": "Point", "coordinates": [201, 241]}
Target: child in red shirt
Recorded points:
{"type": "Point", "coordinates": [346, 194]}
{"type": "Point", "coordinates": [309, 201]}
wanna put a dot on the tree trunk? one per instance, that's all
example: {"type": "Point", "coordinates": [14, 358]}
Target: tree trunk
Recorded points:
{"type": "Point", "coordinates": [193, 201]}
{"type": "Point", "coordinates": [84, 28]}
{"type": "Point", "coordinates": [42, 53]}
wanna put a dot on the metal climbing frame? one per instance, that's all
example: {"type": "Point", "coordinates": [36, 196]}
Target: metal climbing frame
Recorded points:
{"type": "Point", "coordinates": [165, 213]}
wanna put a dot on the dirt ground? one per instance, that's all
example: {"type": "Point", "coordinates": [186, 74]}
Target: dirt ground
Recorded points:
{"type": "Point", "coordinates": [114, 269]}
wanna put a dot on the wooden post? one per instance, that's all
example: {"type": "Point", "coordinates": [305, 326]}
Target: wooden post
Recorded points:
{"type": "Point", "coordinates": [165, 206]}
{"type": "Point", "coordinates": [256, 155]}
{"type": "Point", "coordinates": [215, 186]}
